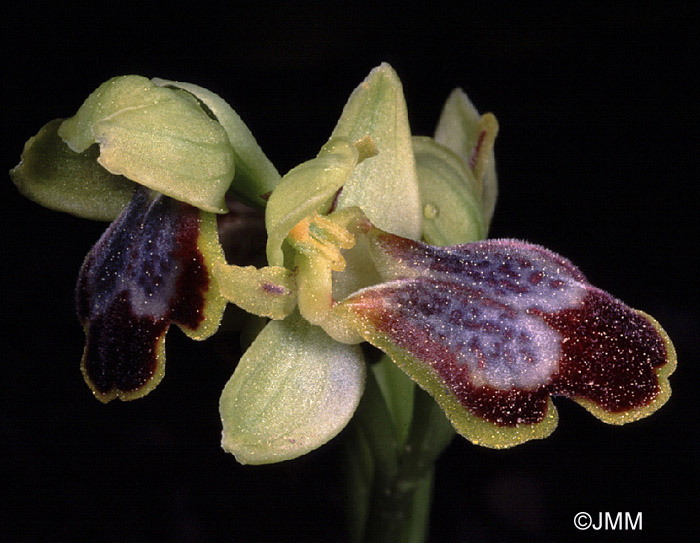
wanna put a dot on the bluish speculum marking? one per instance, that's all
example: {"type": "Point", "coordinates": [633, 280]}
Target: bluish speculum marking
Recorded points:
{"type": "Point", "coordinates": [521, 275]}
{"type": "Point", "coordinates": [484, 297]}
{"type": "Point", "coordinates": [144, 273]}
{"type": "Point", "coordinates": [498, 346]}
{"type": "Point", "coordinates": [505, 324]}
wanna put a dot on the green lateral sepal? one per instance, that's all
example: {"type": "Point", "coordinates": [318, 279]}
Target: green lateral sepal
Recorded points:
{"type": "Point", "coordinates": [54, 176]}
{"type": "Point", "coordinates": [293, 390]}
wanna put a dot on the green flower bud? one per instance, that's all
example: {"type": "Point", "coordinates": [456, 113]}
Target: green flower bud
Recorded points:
{"type": "Point", "coordinates": [450, 195]}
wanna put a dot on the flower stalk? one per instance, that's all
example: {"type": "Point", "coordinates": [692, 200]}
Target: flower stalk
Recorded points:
{"type": "Point", "coordinates": [391, 481]}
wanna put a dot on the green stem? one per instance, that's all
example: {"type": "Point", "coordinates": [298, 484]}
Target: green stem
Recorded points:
{"type": "Point", "coordinates": [399, 510]}
{"type": "Point", "coordinates": [390, 471]}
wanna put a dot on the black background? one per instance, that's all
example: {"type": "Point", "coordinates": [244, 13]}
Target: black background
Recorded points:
{"type": "Point", "coordinates": [597, 159]}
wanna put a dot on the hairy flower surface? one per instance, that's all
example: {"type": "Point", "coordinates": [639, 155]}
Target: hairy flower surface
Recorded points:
{"type": "Point", "coordinates": [492, 329]}
{"type": "Point", "coordinates": [157, 158]}
{"type": "Point", "coordinates": [378, 238]}
{"type": "Point", "coordinates": [150, 268]}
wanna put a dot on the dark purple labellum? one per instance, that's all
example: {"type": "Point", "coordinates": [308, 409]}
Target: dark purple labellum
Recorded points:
{"type": "Point", "coordinates": [145, 272]}
{"type": "Point", "coordinates": [501, 325]}
{"type": "Point", "coordinates": [611, 353]}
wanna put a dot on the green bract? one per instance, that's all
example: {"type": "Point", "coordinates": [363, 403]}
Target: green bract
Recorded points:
{"type": "Point", "coordinates": [157, 137]}
{"type": "Point", "coordinates": [176, 138]}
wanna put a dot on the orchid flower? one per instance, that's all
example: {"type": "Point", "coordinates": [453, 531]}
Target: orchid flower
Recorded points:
{"type": "Point", "coordinates": [376, 239]}
{"type": "Point", "coordinates": [157, 158]}
{"type": "Point", "coordinates": [385, 303]}
{"type": "Point", "coordinates": [490, 329]}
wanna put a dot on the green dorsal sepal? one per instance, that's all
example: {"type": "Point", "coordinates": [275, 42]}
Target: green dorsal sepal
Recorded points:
{"type": "Point", "coordinates": [157, 137]}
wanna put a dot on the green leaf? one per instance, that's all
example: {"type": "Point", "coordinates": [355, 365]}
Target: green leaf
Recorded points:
{"type": "Point", "coordinates": [465, 132]}
{"type": "Point", "coordinates": [305, 189]}
{"type": "Point", "coordinates": [157, 137]}
{"type": "Point", "coordinates": [398, 391]}
{"type": "Point", "coordinates": [358, 466]}
{"type": "Point", "coordinates": [385, 187]}
{"type": "Point", "coordinates": [256, 177]}
{"type": "Point", "coordinates": [293, 390]}
{"type": "Point", "coordinates": [53, 176]}
{"type": "Point", "coordinates": [450, 195]}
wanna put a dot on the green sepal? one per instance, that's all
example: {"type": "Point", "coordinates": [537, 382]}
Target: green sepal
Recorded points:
{"type": "Point", "coordinates": [157, 137]}
{"type": "Point", "coordinates": [307, 188]}
{"type": "Point", "coordinates": [386, 186]}
{"type": "Point", "coordinates": [450, 195]}
{"type": "Point", "coordinates": [53, 176]}
{"type": "Point", "coordinates": [293, 390]}
{"type": "Point", "coordinates": [256, 177]}
{"type": "Point", "coordinates": [460, 129]}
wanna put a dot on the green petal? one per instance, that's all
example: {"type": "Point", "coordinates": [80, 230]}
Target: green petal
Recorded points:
{"type": "Point", "coordinates": [293, 390]}
{"type": "Point", "coordinates": [268, 292]}
{"type": "Point", "coordinates": [305, 189]}
{"type": "Point", "coordinates": [459, 130]}
{"type": "Point", "coordinates": [256, 177]}
{"type": "Point", "coordinates": [384, 187]}
{"type": "Point", "coordinates": [158, 137]}
{"type": "Point", "coordinates": [52, 175]}
{"type": "Point", "coordinates": [450, 195]}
